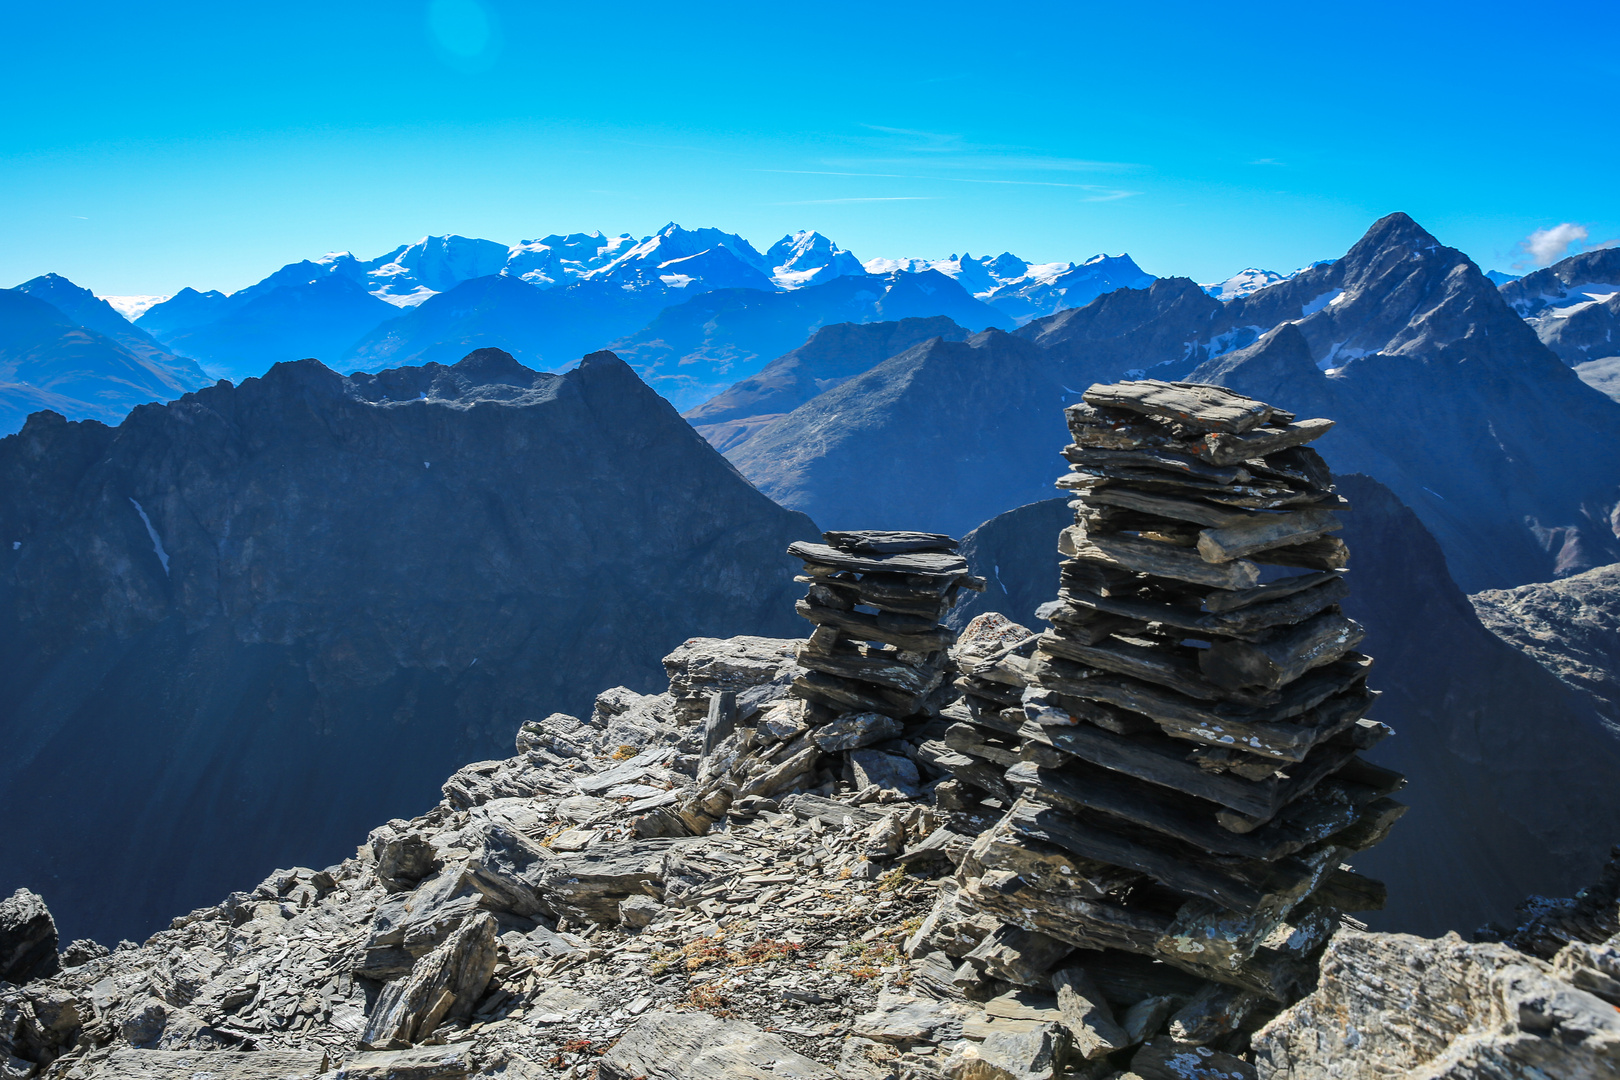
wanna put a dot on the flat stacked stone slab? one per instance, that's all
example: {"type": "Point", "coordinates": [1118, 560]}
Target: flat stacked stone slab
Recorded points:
{"type": "Point", "coordinates": [1184, 760]}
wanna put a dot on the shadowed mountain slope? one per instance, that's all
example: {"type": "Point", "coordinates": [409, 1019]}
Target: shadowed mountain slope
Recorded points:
{"type": "Point", "coordinates": [938, 438]}
{"type": "Point", "coordinates": [1510, 773]}
{"type": "Point", "coordinates": [48, 361]}
{"type": "Point", "coordinates": [88, 310]}
{"type": "Point", "coordinates": [239, 630]}
{"type": "Point", "coordinates": [833, 355]}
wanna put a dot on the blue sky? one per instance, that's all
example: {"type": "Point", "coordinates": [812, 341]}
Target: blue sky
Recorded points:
{"type": "Point", "coordinates": [147, 147]}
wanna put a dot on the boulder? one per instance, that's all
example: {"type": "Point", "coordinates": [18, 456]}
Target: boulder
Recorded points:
{"type": "Point", "coordinates": [1035, 1053]}
{"type": "Point", "coordinates": [446, 983]}
{"type": "Point", "coordinates": [889, 772]}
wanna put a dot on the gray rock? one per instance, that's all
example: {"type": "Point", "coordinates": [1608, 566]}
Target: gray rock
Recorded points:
{"type": "Point", "coordinates": [701, 667]}
{"type": "Point", "coordinates": [591, 883]}
{"type": "Point", "coordinates": [1037, 1053]}
{"type": "Point", "coordinates": [1086, 1015]}
{"type": "Point", "coordinates": [665, 1045]}
{"type": "Point", "coordinates": [636, 912]}
{"type": "Point", "coordinates": [143, 1025]}
{"type": "Point", "coordinates": [403, 858]}
{"type": "Point", "coordinates": [1165, 1059]}
{"type": "Point", "coordinates": [855, 730]}
{"type": "Point", "coordinates": [1214, 1011]}
{"type": "Point", "coordinates": [1593, 968]}
{"type": "Point", "coordinates": [884, 839]}
{"type": "Point", "coordinates": [907, 1019]}
{"type": "Point", "coordinates": [1019, 956]}
{"type": "Point", "coordinates": [82, 951]}
{"type": "Point", "coordinates": [888, 771]}
{"type": "Point", "coordinates": [865, 1059]}
{"type": "Point", "coordinates": [1144, 1019]}
{"type": "Point", "coordinates": [27, 938]}
{"type": "Point", "coordinates": [1570, 626]}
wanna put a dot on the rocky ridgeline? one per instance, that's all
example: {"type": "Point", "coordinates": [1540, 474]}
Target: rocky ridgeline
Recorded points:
{"type": "Point", "coordinates": [888, 853]}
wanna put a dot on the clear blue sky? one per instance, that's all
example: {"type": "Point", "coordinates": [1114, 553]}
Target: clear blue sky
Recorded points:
{"type": "Point", "coordinates": [144, 147]}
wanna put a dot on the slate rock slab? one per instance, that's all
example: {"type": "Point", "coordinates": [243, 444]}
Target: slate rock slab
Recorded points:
{"type": "Point", "coordinates": [420, 1063]}
{"type": "Point", "coordinates": [131, 1064]}
{"type": "Point", "coordinates": [666, 1045]}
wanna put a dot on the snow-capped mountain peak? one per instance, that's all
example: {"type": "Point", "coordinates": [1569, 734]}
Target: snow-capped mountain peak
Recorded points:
{"type": "Point", "coordinates": [1248, 280]}
{"type": "Point", "coordinates": [808, 258]}
{"type": "Point", "coordinates": [558, 260]}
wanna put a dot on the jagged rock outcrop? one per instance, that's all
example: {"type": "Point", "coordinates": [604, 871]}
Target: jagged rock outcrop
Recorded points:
{"type": "Point", "coordinates": [1501, 805]}
{"type": "Point", "coordinates": [27, 938]}
{"type": "Point", "coordinates": [283, 611]}
{"type": "Point", "coordinates": [1393, 1005]}
{"type": "Point", "coordinates": [1571, 627]}
{"type": "Point", "coordinates": [1438, 388]}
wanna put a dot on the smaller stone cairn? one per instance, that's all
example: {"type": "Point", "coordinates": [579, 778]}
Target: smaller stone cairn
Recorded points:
{"type": "Point", "coordinates": [1179, 755]}
{"type": "Point", "coordinates": [877, 663]}
{"type": "Point", "coordinates": [876, 672]}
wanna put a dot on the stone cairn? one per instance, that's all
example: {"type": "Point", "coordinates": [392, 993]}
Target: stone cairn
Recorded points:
{"type": "Point", "coordinates": [1177, 757]}
{"type": "Point", "coordinates": [879, 654]}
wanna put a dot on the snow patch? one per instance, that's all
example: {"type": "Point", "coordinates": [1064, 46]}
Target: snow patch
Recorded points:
{"type": "Point", "coordinates": [1330, 297]}
{"type": "Point", "coordinates": [157, 544]}
{"type": "Point", "coordinates": [1239, 337]}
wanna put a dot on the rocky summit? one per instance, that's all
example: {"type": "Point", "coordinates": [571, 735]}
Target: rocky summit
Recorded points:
{"type": "Point", "coordinates": [894, 850]}
{"type": "Point", "coordinates": [241, 627]}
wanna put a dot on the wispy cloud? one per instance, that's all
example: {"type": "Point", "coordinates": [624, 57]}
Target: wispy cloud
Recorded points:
{"type": "Point", "coordinates": [953, 151]}
{"type": "Point", "coordinates": [871, 198]}
{"type": "Point", "coordinates": [1094, 192]}
{"type": "Point", "coordinates": [1546, 246]}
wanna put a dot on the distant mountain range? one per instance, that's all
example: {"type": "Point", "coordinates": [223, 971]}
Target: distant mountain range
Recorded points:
{"type": "Point", "coordinates": [1440, 389]}
{"type": "Point", "coordinates": [694, 310]}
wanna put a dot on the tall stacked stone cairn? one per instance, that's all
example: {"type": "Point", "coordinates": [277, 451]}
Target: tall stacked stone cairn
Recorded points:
{"type": "Point", "coordinates": [1179, 755]}
{"type": "Point", "coordinates": [877, 663]}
